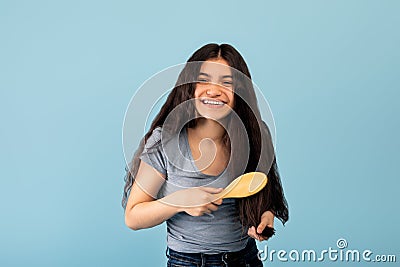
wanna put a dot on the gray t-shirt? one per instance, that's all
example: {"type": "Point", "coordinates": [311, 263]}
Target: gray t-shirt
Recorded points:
{"type": "Point", "coordinates": [220, 232]}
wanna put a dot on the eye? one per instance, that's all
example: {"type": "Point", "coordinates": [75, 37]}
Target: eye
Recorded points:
{"type": "Point", "coordinates": [228, 82]}
{"type": "Point", "coordinates": [202, 80]}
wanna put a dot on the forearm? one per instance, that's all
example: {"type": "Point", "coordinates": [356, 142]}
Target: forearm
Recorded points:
{"type": "Point", "coordinates": [149, 214]}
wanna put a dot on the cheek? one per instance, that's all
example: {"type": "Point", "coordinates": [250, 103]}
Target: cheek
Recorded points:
{"type": "Point", "coordinates": [198, 90]}
{"type": "Point", "coordinates": [231, 97]}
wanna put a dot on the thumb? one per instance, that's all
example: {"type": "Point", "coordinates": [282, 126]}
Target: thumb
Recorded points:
{"type": "Point", "coordinates": [261, 227]}
{"type": "Point", "coordinates": [211, 190]}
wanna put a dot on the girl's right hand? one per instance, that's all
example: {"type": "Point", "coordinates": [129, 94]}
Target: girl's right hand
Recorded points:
{"type": "Point", "coordinates": [197, 200]}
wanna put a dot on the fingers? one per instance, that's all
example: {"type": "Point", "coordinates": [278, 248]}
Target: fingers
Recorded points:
{"type": "Point", "coordinates": [217, 202]}
{"type": "Point", "coordinates": [261, 227]}
{"type": "Point", "coordinates": [211, 190]}
{"type": "Point", "coordinates": [268, 218]}
{"type": "Point", "coordinates": [252, 233]}
{"type": "Point", "coordinates": [203, 200]}
{"type": "Point", "coordinates": [212, 207]}
{"type": "Point", "coordinates": [206, 211]}
{"type": "Point", "coordinates": [209, 208]}
{"type": "Point", "coordinates": [212, 197]}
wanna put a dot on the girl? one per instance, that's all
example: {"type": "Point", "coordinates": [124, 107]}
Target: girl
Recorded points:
{"type": "Point", "coordinates": [208, 132]}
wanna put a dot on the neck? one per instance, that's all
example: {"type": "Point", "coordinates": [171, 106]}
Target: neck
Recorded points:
{"type": "Point", "coordinates": [207, 128]}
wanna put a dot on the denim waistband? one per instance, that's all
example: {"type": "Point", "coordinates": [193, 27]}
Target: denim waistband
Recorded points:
{"type": "Point", "coordinates": [227, 257]}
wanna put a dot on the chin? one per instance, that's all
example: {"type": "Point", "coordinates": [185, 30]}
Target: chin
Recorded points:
{"type": "Point", "coordinates": [214, 116]}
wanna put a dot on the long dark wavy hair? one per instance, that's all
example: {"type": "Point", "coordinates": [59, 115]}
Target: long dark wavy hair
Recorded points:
{"type": "Point", "coordinates": [271, 197]}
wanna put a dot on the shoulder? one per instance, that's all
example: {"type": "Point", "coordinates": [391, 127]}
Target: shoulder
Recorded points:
{"type": "Point", "coordinates": [154, 138]}
{"type": "Point", "coordinates": [163, 140]}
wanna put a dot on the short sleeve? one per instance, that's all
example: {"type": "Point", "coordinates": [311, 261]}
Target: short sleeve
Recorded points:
{"type": "Point", "coordinates": [153, 153]}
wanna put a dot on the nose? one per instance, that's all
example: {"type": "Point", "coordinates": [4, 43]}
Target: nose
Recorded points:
{"type": "Point", "coordinates": [213, 90]}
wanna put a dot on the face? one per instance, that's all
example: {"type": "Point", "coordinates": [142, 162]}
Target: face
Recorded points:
{"type": "Point", "coordinates": [214, 89]}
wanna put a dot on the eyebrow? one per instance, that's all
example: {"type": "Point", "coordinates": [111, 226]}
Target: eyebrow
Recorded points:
{"type": "Point", "coordinates": [208, 75]}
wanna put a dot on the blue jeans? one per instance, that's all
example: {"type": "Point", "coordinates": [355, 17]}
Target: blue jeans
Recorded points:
{"type": "Point", "coordinates": [246, 257]}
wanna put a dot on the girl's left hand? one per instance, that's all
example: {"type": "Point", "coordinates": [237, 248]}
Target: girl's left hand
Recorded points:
{"type": "Point", "coordinates": [267, 219]}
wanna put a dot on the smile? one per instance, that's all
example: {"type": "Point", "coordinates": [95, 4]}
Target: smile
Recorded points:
{"type": "Point", "coordinates": [212, 102]}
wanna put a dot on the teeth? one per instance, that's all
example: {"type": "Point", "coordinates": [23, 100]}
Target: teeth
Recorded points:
{"type": "Point", "coordinates": [212, 102]}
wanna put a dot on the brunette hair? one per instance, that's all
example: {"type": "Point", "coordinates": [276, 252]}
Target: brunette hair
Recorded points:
{"type": "Point", "coordinates": [271, 197]}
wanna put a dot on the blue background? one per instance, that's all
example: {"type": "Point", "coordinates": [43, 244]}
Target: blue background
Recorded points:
{"type": "Point", "coordinates": [68, 69]}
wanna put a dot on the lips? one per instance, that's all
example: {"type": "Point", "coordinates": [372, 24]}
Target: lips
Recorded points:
{"type": "Point", "coordinates": [212, 102]}
{"type": "Point", "coordinates": [212, 108]}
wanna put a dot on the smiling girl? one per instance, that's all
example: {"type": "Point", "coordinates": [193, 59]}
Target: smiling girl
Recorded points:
{"type": "Point", "coordinates": [208, 132]}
